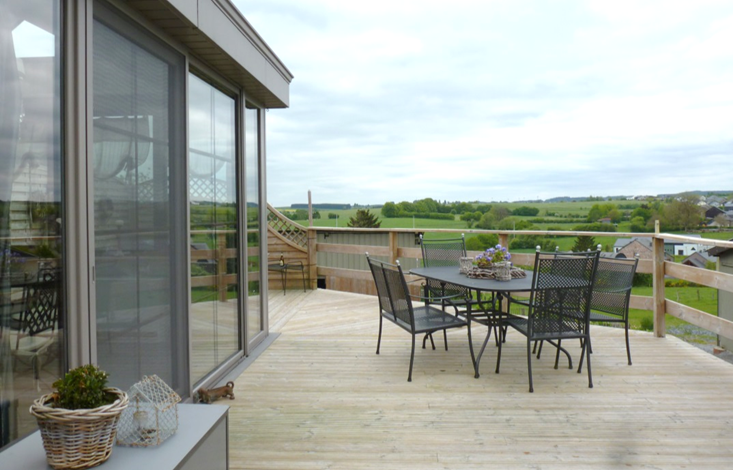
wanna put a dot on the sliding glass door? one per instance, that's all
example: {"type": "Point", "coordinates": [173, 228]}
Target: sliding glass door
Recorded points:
{"type": "Point", "coordinates": [213, 212]}
{"type": "Point", "coordinates": [32, 243]}
{"type": "Point", "coordinates": [139, 202]}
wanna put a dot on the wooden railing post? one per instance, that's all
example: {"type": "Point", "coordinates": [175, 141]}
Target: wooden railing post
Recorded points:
{"type": "Point", "coordinates": [660, 328]}
{"type": "Point", "coordinates": [504, 240]}
{"type": "Point", "coordinates": [221, 265]}
{"type": "Point", "coordinates": [393, 247]}
{"type": "Point", "coordinates": [312, 257]}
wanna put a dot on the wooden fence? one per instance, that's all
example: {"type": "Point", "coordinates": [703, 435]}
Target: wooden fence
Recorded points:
{"type": "Point", "coordinates": [335, 256]}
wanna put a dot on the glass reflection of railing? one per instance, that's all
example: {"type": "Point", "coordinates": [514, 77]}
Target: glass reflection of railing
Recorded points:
{"type": "Point", "coordinates": [212, 264]}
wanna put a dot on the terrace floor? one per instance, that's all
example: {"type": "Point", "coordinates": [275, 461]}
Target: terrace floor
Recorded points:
{"type": "Point", "coordinates": [320, 398]}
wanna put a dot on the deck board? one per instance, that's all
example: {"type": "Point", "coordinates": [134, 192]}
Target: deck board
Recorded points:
{"type": "Point", "coordinates": [319, 397]}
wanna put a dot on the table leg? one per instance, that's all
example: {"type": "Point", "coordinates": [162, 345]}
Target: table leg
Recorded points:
{"type": "Point", "coordinates": [283, 278]}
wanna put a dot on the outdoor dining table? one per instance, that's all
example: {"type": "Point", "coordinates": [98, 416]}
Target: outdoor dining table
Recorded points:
{"type": "Point", "coordinates": [502, 289]}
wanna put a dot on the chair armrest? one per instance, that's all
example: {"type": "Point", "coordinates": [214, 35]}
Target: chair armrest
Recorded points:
{"type": "Point", "coordinates": [434, 298]}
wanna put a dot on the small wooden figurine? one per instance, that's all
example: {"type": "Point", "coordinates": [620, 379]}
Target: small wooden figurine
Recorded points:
{"type": "Point", "coordinates": [211, 395]}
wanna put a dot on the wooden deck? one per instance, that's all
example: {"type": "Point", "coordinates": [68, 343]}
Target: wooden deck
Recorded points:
{"type": "Point", "coordinates": [319, 397]}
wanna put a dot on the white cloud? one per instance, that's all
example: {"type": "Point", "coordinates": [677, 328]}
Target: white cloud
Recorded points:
{"type": "Point", "coordinates": [402, 100]}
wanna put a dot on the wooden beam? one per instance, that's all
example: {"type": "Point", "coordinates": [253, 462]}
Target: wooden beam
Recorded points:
{"type": "Point", "coordinates": [353, 249]}
{"type": "Point", "coordinates": [717, 280]}
{"type": "Point", "coordinates": [641, 302]}
{"type": "Point", "coordinates": [717, 325]}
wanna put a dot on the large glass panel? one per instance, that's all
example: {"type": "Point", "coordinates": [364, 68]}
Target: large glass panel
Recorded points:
{"type": "Point", "coordinates": [138, 200]}
{"type": "Point", "coordinates": [32, 349]}
{"type": "Point", "coordinates": [254, 205]}
{"type": "Point", "coordinates": [213, 213]}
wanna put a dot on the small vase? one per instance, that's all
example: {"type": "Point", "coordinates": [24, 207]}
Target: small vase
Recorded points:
{"type": "Point", "coordinates": [465, 264]}
{"type": "Point", "coordinates": [503, 271]}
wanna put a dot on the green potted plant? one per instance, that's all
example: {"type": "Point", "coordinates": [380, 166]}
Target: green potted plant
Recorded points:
{"type": "Point", "coordinates": [78, 421]}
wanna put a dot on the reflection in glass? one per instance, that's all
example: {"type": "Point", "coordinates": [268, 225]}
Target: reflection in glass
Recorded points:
{"type": "Point", "coordinates": [213, 214]}
{"type": "Point", "coordinates": [32, 349]}
{"type": "Point", "coordinates": [141, 328]}
{"type": "Point", "coordinates": [254, 205]}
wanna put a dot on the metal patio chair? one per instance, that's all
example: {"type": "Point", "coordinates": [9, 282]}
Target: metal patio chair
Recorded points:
{"type": "Point", "coordinates": [612, 292]}
{"type": "Point", "coordinates": [447, 252]}
{"type": "Point", "coordinates": [559, 306]}
{"type": "Point", "coordinates": [38, 321]}
{"type": "Point", "coordinates": [395, 305]}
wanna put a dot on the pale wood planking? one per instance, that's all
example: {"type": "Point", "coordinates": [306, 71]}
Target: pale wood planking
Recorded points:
{"type": "Point", "coordinates": [320, 397]}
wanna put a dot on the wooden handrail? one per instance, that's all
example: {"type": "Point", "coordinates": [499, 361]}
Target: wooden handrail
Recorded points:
{"type": "Point", "coordinates": [658, 267]}
{"type": "Point", "coordinates": [391, 250]}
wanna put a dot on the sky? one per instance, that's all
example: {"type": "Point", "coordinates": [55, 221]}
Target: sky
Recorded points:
{"type": "Point", "coordinates": [498, 100]}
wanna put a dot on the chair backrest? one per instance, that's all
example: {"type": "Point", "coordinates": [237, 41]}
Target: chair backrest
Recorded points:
{"type": "Point", "coordinates": [40, 305]}
{"type": "Point", "coordinates": [612, 286]}
{"type": "Point", "coordinates": [443, 252]}
{"type": "Point", "coordinates": [561, 291]}
{"type": "Point", "coordinates": [394, 297]}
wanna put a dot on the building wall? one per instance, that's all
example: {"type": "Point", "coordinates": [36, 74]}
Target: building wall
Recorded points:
{"type": "Point", "coordinates": [98, 236]}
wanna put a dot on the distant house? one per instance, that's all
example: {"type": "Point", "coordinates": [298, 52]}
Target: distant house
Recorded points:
{"type": "Point", "coordinates": [698, 260]}
{"type": "Point", "coordinates": [636, 246]}
{"type": "Point", "coordinates": [605, 220]}
{"type": "Point", "coordinates": [728, 206]}
{"type": "Point", "coordinates": [678, 248]}
{"type": "Point", "coordinates": [631, 247]}
{"type": "Point", "coordinates": [712, 212]}
{"type": "Point", "coordinates": [715, 201]}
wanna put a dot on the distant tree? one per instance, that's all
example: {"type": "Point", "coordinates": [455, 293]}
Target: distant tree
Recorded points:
{"type": "Point", "coordinates": [599, 211]}
{"type": "Point", "coordinates": [483, 208]}
{"type": "Point", "coordinates": [638, 224]}
{"type": "Point", "coordinates": [615, 215]}
{"type": "Point", "coordinates": [390, 209]}
{"type": "Point", "coordinates": [584, 243]}
{"type": "Point", "coordinates": [482, 241]}
{"type": "Point", "coordinates": [526, 211]}
{"type": "Point", "coordinates": [365, 219]}
{"type": "Point", "coordinates": [683, 212]}
{"type": "Point", "coordinates": [643, 211]}
{"type": "Point", "coordinates": [299, 214]}
{"type": "Point", "coordinates": [487, 221]}
{"type": "Point", "coordinates": [512, 223]}
{"type": "Point", "coordinates": [500, 212]}
{"type": "Point", "coordinates": [531, 242]}
{"type": "Point", "coordinates": [332, 215]}
{"type": "Point", "coordinates": [723, 221]}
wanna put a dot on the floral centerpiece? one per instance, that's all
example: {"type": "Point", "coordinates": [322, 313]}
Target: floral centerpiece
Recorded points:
{"type": "Point", "coordinates": [492, 256]}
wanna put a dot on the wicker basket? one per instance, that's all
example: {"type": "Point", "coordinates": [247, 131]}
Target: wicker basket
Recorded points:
{"type": "Point", "coordinates": [76, 439]}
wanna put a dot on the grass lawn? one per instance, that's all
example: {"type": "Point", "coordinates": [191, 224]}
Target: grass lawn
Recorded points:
{"type": "Point", "coordinates": [701, 298]}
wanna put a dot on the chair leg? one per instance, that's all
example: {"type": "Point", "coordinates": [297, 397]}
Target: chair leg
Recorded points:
{"type": "Point", "coordinates": [379, 340]}
{"type": "Point", "coordinates": [498, 357]}
{"type": "Point", "coordinates": [476, 366]}
{"type": "Point", "coordinates": [412, 359]}
{"type": "Point", "coordinates": [587, 352]}
{"type": "Point", "coordinates": [628, 349]}
{"type": "Point", "coordinates": [425, 339]}
{"type": "Point", "coordinates": [529, 364]}
{"type": "Point", "coordinates": [557, 354]}
{"type": "Point", "coordinates": [445, 339]}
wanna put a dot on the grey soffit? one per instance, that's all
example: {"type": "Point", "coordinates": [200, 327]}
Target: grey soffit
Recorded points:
{"type": "Point", "coordinates": [218, 35]}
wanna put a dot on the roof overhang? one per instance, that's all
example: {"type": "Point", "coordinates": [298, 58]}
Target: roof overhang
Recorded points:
{"type": "Point", "coordinates": [216, 33]}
